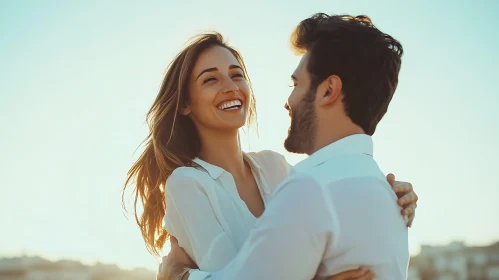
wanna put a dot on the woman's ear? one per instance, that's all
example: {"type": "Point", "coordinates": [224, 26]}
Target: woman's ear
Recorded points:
{"type": "Point", "coordinates": [185, 111]}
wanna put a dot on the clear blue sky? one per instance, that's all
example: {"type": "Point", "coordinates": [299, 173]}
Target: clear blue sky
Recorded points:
{"type": "Point", "coordinates": [76, 80]}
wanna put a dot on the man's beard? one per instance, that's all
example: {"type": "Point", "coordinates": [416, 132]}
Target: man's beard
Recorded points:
{"type": "Point", "coordinates": [302, 132]}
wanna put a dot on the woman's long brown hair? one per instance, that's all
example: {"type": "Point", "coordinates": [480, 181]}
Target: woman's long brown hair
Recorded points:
{"type": "Point", "coordinates": [172, 141]}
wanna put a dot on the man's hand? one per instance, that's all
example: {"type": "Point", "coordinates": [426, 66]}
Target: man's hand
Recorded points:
{"type": "Point", "coordinates": [175, 263]}
{"type": "Point", "coordinates": [407, 198]}
{"type": "Point", "coordinates": [356, 274]}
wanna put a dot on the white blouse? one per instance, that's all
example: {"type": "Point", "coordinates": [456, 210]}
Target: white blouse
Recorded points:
{"type": "Point", "coordinates": [205, 212]}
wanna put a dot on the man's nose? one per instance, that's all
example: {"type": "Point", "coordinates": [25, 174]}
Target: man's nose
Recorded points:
{"type": "Point", "coordinates": [286, 106]}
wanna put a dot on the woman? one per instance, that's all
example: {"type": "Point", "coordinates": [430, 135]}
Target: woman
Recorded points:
{"type": "Point", "coordinates": [193, 173]}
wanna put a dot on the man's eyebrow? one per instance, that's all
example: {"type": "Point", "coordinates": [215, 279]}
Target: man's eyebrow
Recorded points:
{"type": "Point", "coordinates": [207, 70]}
{"type": "Point", "coordinates": [294, 77]}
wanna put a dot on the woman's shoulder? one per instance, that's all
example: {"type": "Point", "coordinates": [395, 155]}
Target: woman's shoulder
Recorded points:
{"type": "Point", "coordinates": [274, 167]}
{"type": "Point", "coordinates": [267, 155]}
{"type": "Point", "coordinates": [272, 162]}
{"type": "Point", "coordinates": [185, 177]}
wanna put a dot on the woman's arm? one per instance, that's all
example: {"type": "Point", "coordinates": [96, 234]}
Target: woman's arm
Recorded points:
{"type": "Point", "coordinates": [190, 218]}
{"type": "Point", "coordinates": [407, 198]}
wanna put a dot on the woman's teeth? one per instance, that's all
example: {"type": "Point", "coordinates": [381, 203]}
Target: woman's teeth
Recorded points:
{"type": "Point", "coordinates": [230, 105]}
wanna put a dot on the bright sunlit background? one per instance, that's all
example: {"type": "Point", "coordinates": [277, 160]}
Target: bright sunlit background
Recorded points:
{"type": "Point", "coordinates": [77, 78]}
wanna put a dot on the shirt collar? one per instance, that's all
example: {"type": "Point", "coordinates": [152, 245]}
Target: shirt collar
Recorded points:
{"type": "Point", "coordinates": [353, 144]}
{"type": "Point", "coordinates": [252, 162]}
{"type": "Point", "coordinates": [215, 171]}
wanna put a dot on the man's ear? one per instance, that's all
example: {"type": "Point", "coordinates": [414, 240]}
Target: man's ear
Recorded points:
{"type": "Point", "coordinates": [333, 88]}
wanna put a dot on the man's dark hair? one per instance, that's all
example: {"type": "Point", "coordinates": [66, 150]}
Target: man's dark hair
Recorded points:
{"type": "Point", "coordinates": [366, 59]}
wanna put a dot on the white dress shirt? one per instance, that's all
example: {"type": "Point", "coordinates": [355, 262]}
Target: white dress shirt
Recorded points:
{"type": "Point", "coordinates": [336, 211]}
{"type": "Point", "coordinates": [205, 212]}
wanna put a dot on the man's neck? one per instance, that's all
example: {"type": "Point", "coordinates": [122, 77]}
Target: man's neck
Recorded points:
{"type": "Point", "coordinates": [326, 136]}
{"type": "Point", "coordinates": [223, 149]}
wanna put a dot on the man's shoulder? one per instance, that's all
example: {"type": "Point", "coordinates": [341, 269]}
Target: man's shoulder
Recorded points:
{"type": "Point", "coordinates": [306, 201]}
{"type": "Point", "coordinates": [346, 166]}
{"type": "Point", "coordinates": [300, 182]}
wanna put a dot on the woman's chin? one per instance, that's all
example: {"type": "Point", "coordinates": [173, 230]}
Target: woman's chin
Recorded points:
{"type": "Point", "coordinates": [232, 124]}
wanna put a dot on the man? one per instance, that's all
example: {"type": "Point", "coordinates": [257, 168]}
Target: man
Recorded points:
{"type": "Point", "coordinates": [335, 211]}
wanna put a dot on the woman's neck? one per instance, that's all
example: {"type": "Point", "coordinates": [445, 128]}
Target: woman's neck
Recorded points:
{"type": "Point", "coordinates": [223, 149]}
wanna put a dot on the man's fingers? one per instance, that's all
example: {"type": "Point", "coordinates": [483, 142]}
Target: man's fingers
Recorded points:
{"type": "Point", "coordinates": [161, 269]}
{"type": "Point", "coordinates": [368, 276]}
{"type": "Point", "coordinates": [350, 274]}
{"type": "Point", "coordinates": [160, 275]}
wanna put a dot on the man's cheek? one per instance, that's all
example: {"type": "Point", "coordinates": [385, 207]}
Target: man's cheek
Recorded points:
{"type": "Point", "coordinates": [293, 99]}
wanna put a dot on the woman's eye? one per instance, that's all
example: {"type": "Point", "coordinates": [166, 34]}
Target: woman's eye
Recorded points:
{"type": "Point", "coordinates": [238, 76]}
{"type": "Point", "coordinates": [209, 80]}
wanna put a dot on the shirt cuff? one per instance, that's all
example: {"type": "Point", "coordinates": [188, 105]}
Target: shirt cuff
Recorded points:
{"type": "Point", "coordinates": [196, 274]}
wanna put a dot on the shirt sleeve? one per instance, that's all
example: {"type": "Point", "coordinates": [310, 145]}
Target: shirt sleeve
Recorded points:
{"type": "Point", "coordinates": [288, 241]}
{"type": "Point", "coordinates": [191, 219]}
{"type": "Point", "coordinates": [289, 167]}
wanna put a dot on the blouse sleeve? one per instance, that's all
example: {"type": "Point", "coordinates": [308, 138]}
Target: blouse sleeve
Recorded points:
{"type": "Point", "coordinates": [191, 219]}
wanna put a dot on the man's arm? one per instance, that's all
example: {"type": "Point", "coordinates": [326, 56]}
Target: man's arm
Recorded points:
{"type": "Point", "coordinates": [174, 265]}
{"type": "Point", "coordinates": [175, 269]}
{"type": "Point", "coordinates": [288, 241]}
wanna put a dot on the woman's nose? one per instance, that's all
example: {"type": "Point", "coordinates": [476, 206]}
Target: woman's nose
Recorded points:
{"type": "Point", "coordinates": [230, 86]}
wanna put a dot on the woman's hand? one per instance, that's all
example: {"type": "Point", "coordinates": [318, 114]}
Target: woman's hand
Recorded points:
{"type": "Point", "coordinates": [407, 198]}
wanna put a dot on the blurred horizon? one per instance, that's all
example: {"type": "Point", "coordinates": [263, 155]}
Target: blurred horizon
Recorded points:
{"type": "Point", "coordinates": [78, 78]}
{"type": "Point", "coordinates": [441, 249]}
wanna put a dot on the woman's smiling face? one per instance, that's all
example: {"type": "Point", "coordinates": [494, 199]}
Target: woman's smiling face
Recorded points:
{"type": "Point", "coordinates": [219, 94]}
